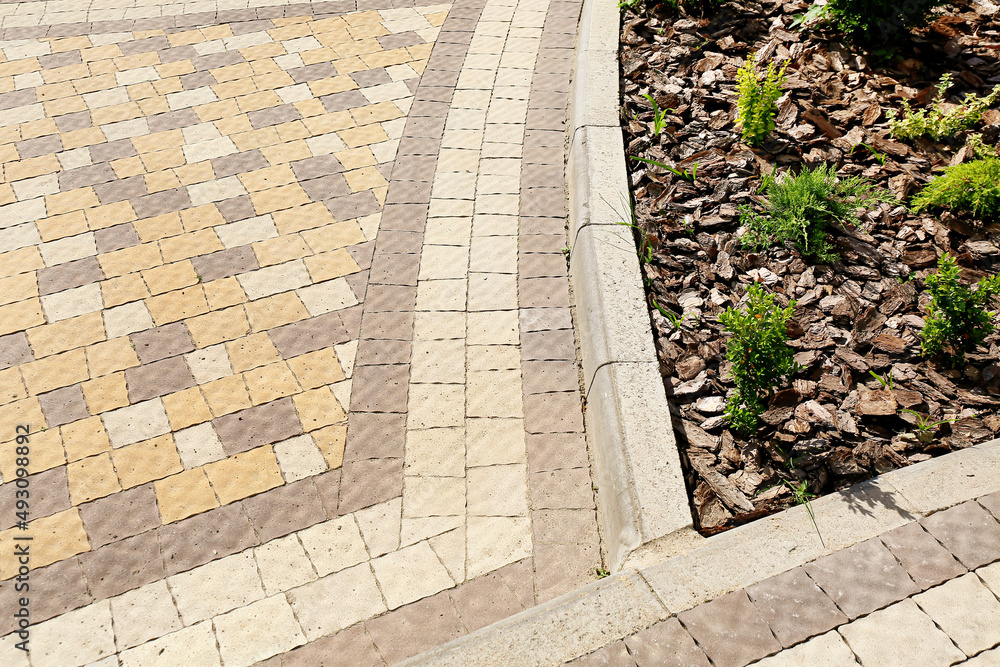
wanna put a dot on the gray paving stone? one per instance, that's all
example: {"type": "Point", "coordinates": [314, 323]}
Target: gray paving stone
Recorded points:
{"type": "Point", "coordinates": [923, 557]}
{"type": "Point", "coordinates": [970, 532]}
{"type": "Point", "coordinates": [794, 607]}
{"type": "Point", "coordinates": [730, 630]}
{"type": "Point", "coordinates": [664, 645]}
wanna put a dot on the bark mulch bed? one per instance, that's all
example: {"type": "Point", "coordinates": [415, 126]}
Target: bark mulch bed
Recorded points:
{"type": "Point", "coordinates": [834, 424]}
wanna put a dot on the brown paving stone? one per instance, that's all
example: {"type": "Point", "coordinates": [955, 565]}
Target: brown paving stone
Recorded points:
{"type": "Point", "coordinates": [403, 218]}
{"type": "Point", "coordinates": [206, 537]}
{"type": "Point", "coordinates": [862, 578]}
{"type": "Point", "coordinates": [83, 177]}
{"type": "Point", "coordinates": [352, 206]}
{"type": "Point", "coordinates": [380, 388]}
{"type": "Point", "coordinates": [540, 320]}
{"type": "Point", "coordinates": [327, 187]}
{"type": "Point", "coordinates": [541, 377]}
{"type": "Point", "coordinates": [73, 121]}
{"type": "Point", "coordinates": [368, 482]}
{"type": "Point", "coordinates": [172, 120]}
{"type": "Point", "coordinates": [348, 648]}
{"type": "Point", "coordinates": [557, 345]}
{"type": "Point", "coordinates": [225, 263]}
{"type": "Point", "coordinates": [562, 489]}
{"type": "Point", "coordinates": [612, 655]}
{"type": "Point", "coordinates": [992, 503]}
{"type": "Point", "coordinates": [564, 526]}
{"type": "Point", "coordinates": [730, 630]}
{"type": "Point", "coordinates": [123, 189]}
{"type": "Point", "coordinates": [117, 237]}
{"type": "Point", "coordinates": [390, 298]}
{"type": "Point", "coordinates": [553, 413]}
{"type": "Point", "coordinates": [167, 201]}
{"type": "Point", "coordinates": [415, 628]}
{"type": "Point", "coordinates": [120, 515]}
{"type": "Point", "coordinates": [485, 600]}
{"type": "Point", "coordinates": [923, 557]}
{"type": "Point", "coordinates": [158, 379]}
{"type": "Point", "coordinates": [328, 486]}
{"type": "Point", "coordinates": [69, 275]}
{"type": "Point", "coordinates": [968, 531]}
{"type": "Point", "coordinates": [63, 406]}
{"type": "Point", "coordinates": [543, 292]}
{"type": "Point", "coordinates": [538, 265]}
{"type": "Point", "coordinates": [378, 352]}
{"type": "Point", "coordinates": [123, 566]}
{"type": "Point", "coordinates": [387, 326]}
{"type": "Point", "coordinates": [56, 589]}
{"type": "Point", "coordinates": [534, 225]}
{"type": "Point", "coordinates": [560, 568]}
{"type": "Point", "coordinates": [395, 269]}
{"type": "Point", "coordinates": [237, 208]}
{"type": "Point", "coordinates": [39, 146]}
{"type": "Point", "coordinates": [309, 335]}
{"type": "Point", "coordinates": [666, 644]}
{"type": "Point", "coordinates": [14, 350]}
{"type": "Point", "coordinates": [556, 451]}
{"type": "Point", "coordinates": [351, 317]}
{"type": "Point", "coordinates": [285, 509]}
{"type": "Point", "coordinates": [794, 607]}
{"type": "Point", "coordinates": [256, 426]}
{"type": "Point", "coordinates": [373, 435]}
{"type": "Point", "coordinates": [49, 494]}
{"type": "Point", "coordinates": [162, 342]}
{"type": "Point", "coordinates": [543, 243]}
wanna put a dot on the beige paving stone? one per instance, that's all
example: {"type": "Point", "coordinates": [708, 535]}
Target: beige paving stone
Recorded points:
{"type": "Point", "coordinates": [410, 574]}
{"type": "Point", "coordinates": [198, 445]}
{"type": "Point", "coordinates": [75, 638]}
{"type": "Point", "coordinates": [493, 358]}
{"type": "Point", "coordinates": [72, 302]}
{"type": "Point", "coordinates": [495, 327]}
{"type": "Point", "coordinates": [438, 361]}
{"type": "Point", "coordinates": [435, 452]}
{"type": "Point", "coordinates": [10, 654]}
{"type": "Point", "coordinates": [499, 490]}
{"type": "Point", "coordinates": [438, 325]}
{"type": "Point", "coordinates": [274, 279]}
{"type": "Point", "coordinates": [244, 474]}
{"type": "Point", "coordinates": [496, 541]}
{"type": "Point", "coordinates": [985, 659]}
{"type": "Point", "coordinates": [448, 231]}
{"type": "Point", "coordinates": [299, 458]}
{"type": "Point", "coordinates": [216, 587]}
{"type": "Point", "coordinates": [357, 594]}
{"type": "Point", "coordinates": [492, 291]}
{"type": "Point", "coordinates": [974, 625]}
{"type": "Point", "coordinates": [327, 297]}
{"type": "Point", "coordinates": [495, 393]}
{"type": "Point", "coordinates": [827, 650]}
{"type": "Point", "coordinates": [439, 262]}
{"type": "Point", "coordinates": [441, 295]}
{"type": "Point", "coordinates": [134, 423]}
{"type": "Point", "coordinates": [257, 632]}
{"type": "Point", "coordinates": [435, 406]}
{"type": "Point", "coordinates": [126, 319]}
{"type": "Point", "coordinates": [144, 614]}
{"type": "Point", "coordinates": [283, 564]}
{"type": "Point", "coordinates": [433, 496]}
{"type": "Point", "coordinates": [68, 249]}
{"type": "Point", "coordinates": [899, 635]}
{"type": "Point", "coordinates": [380, 526]}
{"type": "Point", "coordinates": [495, 442]}
{"type": "Point", "coordinates": [334, 545]}
{"type": "Point", "coordinates": [450, 549]}
{"type": "Point", "coordinates": [184, 494]}
{"type": "Point", "coordinates": [210, 363]}
{"type": "Point", "coordinates": [194, 645]}
{"type": "Point", "coordinates": [245, 232]}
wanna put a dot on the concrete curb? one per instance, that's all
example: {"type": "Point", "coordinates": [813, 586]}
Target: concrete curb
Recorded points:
{"type": "Point", "coordinates": [614, 608]}
{"type": "Point", "coordinates": [642, 500]}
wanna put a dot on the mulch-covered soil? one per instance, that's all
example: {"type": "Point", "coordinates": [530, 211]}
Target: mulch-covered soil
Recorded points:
{"type": "Point", "coordinates": [834, 423]}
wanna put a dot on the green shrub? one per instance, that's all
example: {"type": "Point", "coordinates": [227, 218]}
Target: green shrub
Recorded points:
{"type": "Point", "coordinates": [800, 207]}
{"type": "Point", "coordinates": [957, 318]}
{"type": "Point", "coordinates": [971, 186]}
{"type": "Point", "coordinates": [759, 353]}
{"type": "Point", "coordinates": [938, 124]}
{"type": "Point", "coordinates": [757, 102]}
{"type": "Point", "coordinates": [880, 20]}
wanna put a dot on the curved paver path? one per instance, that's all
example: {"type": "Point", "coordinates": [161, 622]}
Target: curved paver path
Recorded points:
{"type": "Point", "coordinates": [285, 307]}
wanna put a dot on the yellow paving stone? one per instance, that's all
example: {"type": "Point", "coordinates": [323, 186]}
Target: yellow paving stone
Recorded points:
{"type": "Point", "coordinates": [216, 110]}
{"type": "Point", "coordinates": [199, 172]}
{"type": "Point", "coordinates": [74, 200]}
{"type": "Point", "coordinates": [201, 217]}
{"type": "Point", "coordinates": [365, 178]}
{"type": "Point", "coordinates": [316, 369]}
{"type": "Point", "coordinates": [190, 244]}
{"type": "Point", "coordinates": [105, 393]}
{"type": "Point", "coordinates": [257, 101]}
{"type": "Point", "coordinates": [183, 495]}
{"type": "Point", "coordinates": [111, 356]}
{"type": "Point", "coordinates": [88, 136]}
{"type": "Point", "coordinates": [8, 153]}
{"type": "Point", "coordinates": [245, 474]}
{"type": "Point", "coordinates": [19, 261]}
{"type": "Point", "coordinates": [177, 305]}
{"type": "Point", "coordinates": [65, 73]}
{"type": "Point", "coordinates": [158, 160]}
{"type": "Point", "coordinates": [169, 277]}
{"type": "Point", "coordinates": [176, 68]}
{"type": "Point", "coordinates": [160, 181]}
{"type": "Point", "coordinates": [322, 55]}
{"type": "Point", "coordinates": [358, 47]}
{"type": "Point", "coordinates": [159, 227]}
{"type": "Point", "coordinates": [93, 84]}
{"type": "Point", "coordinates": [167, 86]}
{"type": "Point", "coordinates": [55, 538]}
{"type": "Point", "coordinates": [226, 395]}
{"type": "Point", "coordinates": [356, 158]}
{"type": "Point", "coordinates": [337, 84]}
{"type": "Point", "coordinates": [11, 386]}
{"type": "Point", "coordinates": [334, 236]}
{"type": "Point", "coordinates": [247, 141]}
{"type": "Point", "coordinates": [289, 32]}
{"type": "Point", "coordinates": [376, 113]}
{"type": "Point", "coordinates": [146, 461]}
{"type": "Point", "coordinates": [153, 104]}
{"type": "Point", "coordinates": [269, 177]}
{"type": "Point", "coordinates": [40, 128]}
{"type": "Point", "coordinates": [232, 72]}
{"type": "Point", "coordinates": [100, 52]}
{"type": "Point", "coordinates": [217, 32]}
{"type": "Point", "coordinates": [280, 249]}
{"type": "Point", "coordinates": [116, 113]}
{"type": "Point", "coordinates": [110, 215]}
{"type": "Point", "coordinates": [150, 143]}
{"type": "Point", "coordinates": [123, 289]}
{"type": "Point", "coordinates": [137, 60]}
{"type": "Point", "coordinates": [21, 315]}
{"type": "Point", "coordinates": [420, 52]}
{"type": "Point", "coordinates": [7, 195]}
{"type": "Point", "coordinates": [91, 478]}
{"type": "Point", "coordinates": [363, 136]}
{"type": "Point", "coordinates": [250, 352]}
{"type": "Point", "coordinates": [65, 335]}
{"type": "Point", "coordinates": [284, 153]}
{"type": "Point", "coordinates": [46, 447]}
{"type": "Point", "coordinates": [64, 44]}
{"type": "Point", "coordinates": [63, 105]}
{"type": "Point", "coordinates": [300, 218]}
{"type": "Point", "coordinates": [272, 80]}
{"type": "Point", "coordinates": [55, 372]}
{"type": "Point", "coordinates": [292, 131]}
{"type": "Point", "coordinates": [437, 19]}
{"type": "Point", "coordinates": [17, 288]}
{"type": "Point", "coordinates": [380, 194]}
{"type": "Point", "coordinates": [271, 382]}
{"type": "Point", "coordinates": [186, 408]}
{"type": "Point", "coordinates": [186, 37]}
{"type": "Point", "coordinates": [275, 311]}
{"type": "Point", "coordinates": [234, 89]}
{"type": "Point", "coordinates": [232, 126]}
{"type": "Point", "coordinates": [224, 292]}
{"type": "Point", "coordinates": [329, 265]}
{"type": "Point", "coordinates": [129, 260]}
{"type": "Point", "coordinates": [19, 67]}
{"type": "Point", "coordinates": [61, 226]}
{"type": "Point", "coordinates": [310, 108]}
{"type": "Point", "coordinates": [218, 326]}
{"type": "Point", "coordinates": [276, 199]}
{"type": "Point", "coordinates": [330, 441]}
{"type": "Point", "coordinates": [387, 58]}
{"type": "Point", "coordinates": [32, 167]}
{"type": "Point", "coordinates": [318, 408]}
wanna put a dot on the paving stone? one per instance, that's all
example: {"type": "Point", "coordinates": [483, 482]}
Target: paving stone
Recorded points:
{"type": "Point", "coordinates": [422, 625]}
{"type": "Point", "coordinates": [827, 650]}
{"type": "Point", "coordinates": [560, 568]}
{"type": "Point", "coordinates": [49, 494]}
{"type": "Point", "coordinates": [794, 607]}
{"type": "Point", "coordinates": [285, 509]}
{"type": "Point", "coordinates": [158, 378]}
{"type": "Point", "coordinates": [76, 638]}
{"type": "Point", "coordinates": [666, 643]}
{"type": "Point", "coordinates": [862, 578]}
{"type": "Point", "coordinates": [730, 630]}
{"type": "Point", "coordinates": [57, 588]}
{"type": "Point", "coordinates": [194, 645]}
{"type": "Point", "coordinates": [374, 435]}
{"type": "Point", "coordinates": [356, 592]}
{"type": "Point", "coordinates": [135, 423]}
{"type": "Point", "coordinates": [216, 588]}
{"type": "Point", "coordinates": [923, 557]}
{"type": "Point", "coordinates": [968, 531]}
{"type": "Point", "coordinates": [69, 275]}
{"type": "Point", "coordinates": [260, 425]}
{"type": "Point", "coordinates": [120, 515]}
{"type": "Point", "coordinates": [562, 489]}
{"type": "Point", "coordinates": [612, 655]}
{"type": "Point", "coordinates": [162, 342]}
{"type": "Point", "coordinates": [349, 648]}
{"type": "Point", "coordinates": [992, 503]}
{"type": "Point", "coordinates": [257, 631]}
{"type": "Point", "coordinates": [63, 406]}
{"type": "Point", "coordinates": [484, 601]}
{"type": "Point", "coordinates": [14, 350]}
{"type": "Point", "coordinates": [899, 635]}
{"type": "Point", "coordinates": [309, 335]}
{"type": "Point", "coordinates": [144, 614]}
{"type": "Point", "coordinates": [410, 574]}
{"type": "Point", "coordinates": [205, 537]}
{"type": "Point", "coordinates": [123, 566]}
{"type": "Point", "coordinates": [985, 659]}
{"type": "Point", "coordinates": [967, 612]}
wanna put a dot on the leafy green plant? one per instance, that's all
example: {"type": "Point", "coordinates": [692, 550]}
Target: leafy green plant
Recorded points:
{"type": "Point", "coordinates": [685, 174]}
{"type": "Point", "coordinates": [674, 319]}
{"type": "Point", "coordinates": [601, 572]}
{"type": "Point", "coordinates": [924, 423]}
{"type": "Point", "coordinates": [799, 208]}
{"type": "Point", "coordinates": [979, 148]}
{"type": "Point", "coordinates": [885, 381]}
{"type": "Point", "coordinates": [659, 115]}
{"type": "Point", "coordinates": [970, 186]}
{"type": "Point", "coordinates": [815, 13]}
{"type": "Point", "coordinates": [757, 103]}
{"type": "Point", "coordinates": [935, 123]}
{"type": "Point", "coordinates": [631, 5]}
{"type": "Point", "coordinates": [802, 497]}
{"type": "Point", "coordinates": [957, 319]}
{"type": "Point", "coordinates": [881, 157]}
{"type": "Point", "coordinates": [759, 353]}
{"type": "Point", "coordinates": [880, 20]}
